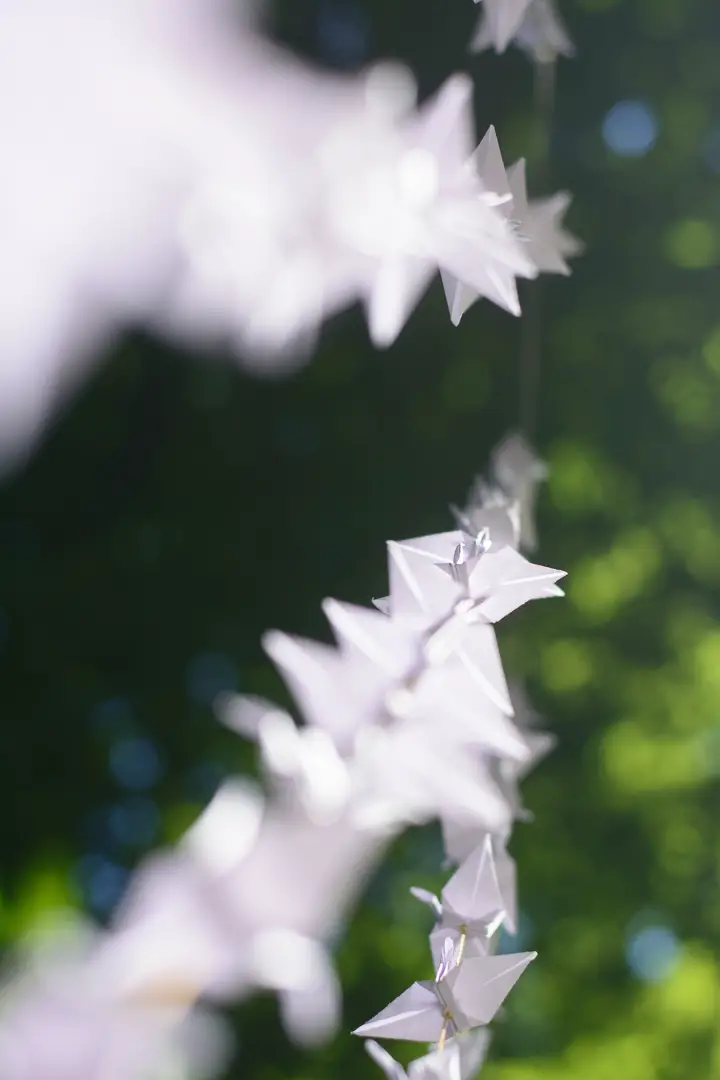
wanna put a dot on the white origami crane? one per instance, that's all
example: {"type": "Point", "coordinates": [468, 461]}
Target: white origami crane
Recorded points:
{"type": "Point", "coordinates": [472, 904]}
{"type": "Point", "coordinates": [542, 33]}
{"type": "Point", "coordinates": [496, 582]}
{"type": "Point", "coordinates": [533, 25]}
{"type": "Point", "coordinates": [461, 997]}
{"type": "Point", "coordinates": [508, 774]}
{"type": "Point", "coordinates": [518, 471]}
{"type": "Point", "coordinates": [503, 507]}
{"type": "Point", "coordinates": [548, 244]}
{"type": "Point", "coordinates": [303, 764]}
{"type": "Point", "coordinates": [436, 214]}
{"type": "Point", "coordinates": [67, 1017]}
{"type": "Point", "coordinates": [413, 776]}
{"type": "Point", "coordinates": [499, 23]}
{"type": "Point", "coordinates": [492, 512]}
{"type": "Point", "coordinates": [245, 903]}
{"type": "Point", "coordinates": [460, 1059]}
{"type": "Point", "coordinates": [345, 691]}
{"type": "Point", "coordinates": [460, 839]}
{"type": "Point", "coordinates": [499, 284]}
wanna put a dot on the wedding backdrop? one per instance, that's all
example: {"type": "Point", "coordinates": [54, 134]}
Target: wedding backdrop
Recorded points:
{"type": "Point", "coordinates": [240, 350]}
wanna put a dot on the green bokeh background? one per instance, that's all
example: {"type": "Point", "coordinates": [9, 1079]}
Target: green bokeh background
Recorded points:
{"type": "Point", "coordinates": [180, 507]}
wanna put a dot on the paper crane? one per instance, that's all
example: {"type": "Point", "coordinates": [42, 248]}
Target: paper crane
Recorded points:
{"type": "Point", "coordinates": [472, 906]}
{"type": "Point", "coordinates": [461, 997]}
{"type": "Point", "coordinates": [461, 1059]}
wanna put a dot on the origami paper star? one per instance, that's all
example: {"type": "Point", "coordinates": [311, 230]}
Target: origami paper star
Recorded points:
{"type": "Point", "coordinates": [467, 996]}
{"type": "Point", "coordinates": [460, 1059]}
{"type": "Point", "coordinates": [548, 244]}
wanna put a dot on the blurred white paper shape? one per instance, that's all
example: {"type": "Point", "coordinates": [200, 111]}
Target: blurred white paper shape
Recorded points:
{"type": "Point", "coordinates": [499, 287]}
{"type": "Point", "coordinates": [459, 1060]}
{"type": "Point", "coordinates": [499, 23]}
{"type": "Point", "coordinates": [542, 33]}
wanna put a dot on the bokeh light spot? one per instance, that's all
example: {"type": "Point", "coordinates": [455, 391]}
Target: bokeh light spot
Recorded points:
{"type": "Point", "coordinates": [210, 674]}
{"type": "Point", "coordinates": [102, 882]}
{"type": "Point", "coordinates": [113, 717]}
{"type": "Point", "coordinates": [711, 351]}
{"type": "Point", "coordinates": [134, 822]}
{"type": "Point", "coordinates": [630, 129]}
{"type": "Point", "coordinates": [691, 244]}
{"type": "Point", "coordinates": [652, 953]}
{"type": "Point", "coordinates": [566, 666]}
{"type": "Point", "coordinates": [343, 34]}
{"type": "Point", "coordinates": [135, 763]}
{"type": "Point", "coordinates": [203, 780]}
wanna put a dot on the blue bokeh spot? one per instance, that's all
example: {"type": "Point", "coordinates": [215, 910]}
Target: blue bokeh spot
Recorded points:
{"type": "Point", "coordinates": [135, 763]}
{"type": "Point", "coordinates": [630, 129]}
{"type": "Point", "coordinates": [210, 674]}
{"type": "Point", "coordinates": [652, 953]}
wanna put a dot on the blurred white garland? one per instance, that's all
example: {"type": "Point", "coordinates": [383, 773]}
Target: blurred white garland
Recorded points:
{"type": "Point", "coordinates": [338, 190]}
{"type": "Point", "coordinates": [208, 185]}
{"type": "Point", "coordinates": [407, 719]}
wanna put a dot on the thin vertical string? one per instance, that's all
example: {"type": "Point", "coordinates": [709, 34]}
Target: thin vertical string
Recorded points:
{"type": "Point", "coordinates": [531, 342]}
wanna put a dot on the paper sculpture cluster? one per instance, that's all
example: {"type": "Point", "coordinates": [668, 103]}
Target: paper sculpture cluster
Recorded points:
{"type": "Point", "coordinates": [226, 195]}
{"type": "Point", "coordinates": [408, 719]}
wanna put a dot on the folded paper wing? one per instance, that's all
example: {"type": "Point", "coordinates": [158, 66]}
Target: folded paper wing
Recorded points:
{"type": "Point", "coordinates": [472, 1049]}
{"type": "Point", "coordinates": [428, 898]}
{"type": "Point", "coordinates": [475, 710]}
{"type": "Point", "coordinates": [417, 586]}
{"type": "Point", "coordinates": [336, 692]}
{"type": "Point", "coordinates": [473, 992]}
{"type": "Point", "coordinates": [501, 581]}
{"type": "Point", "coordinates": [416, 1015]}
{"type": "Point", "coordinates": [510, 580]}
{"type": "Point", "coordinates": [392, 645]}
{"type": "Point", "coordinates": [443, 1064]}
{"type": "Point", "coordinates": [392, 1068]}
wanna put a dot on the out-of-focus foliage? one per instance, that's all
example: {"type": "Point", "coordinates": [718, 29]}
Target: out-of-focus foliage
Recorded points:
{"type": "Point", "coordinates": [180, 508]}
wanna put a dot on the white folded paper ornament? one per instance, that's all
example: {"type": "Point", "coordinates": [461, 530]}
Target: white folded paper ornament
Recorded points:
{"type": "Point", "coordinates": [499, 22]}
{"type": "Point", "coordinates": [460, 1059]}
{"type": "Point", "coordinates": [467, 996]}
{"type": "Point", "coordinates": [471, 901]}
